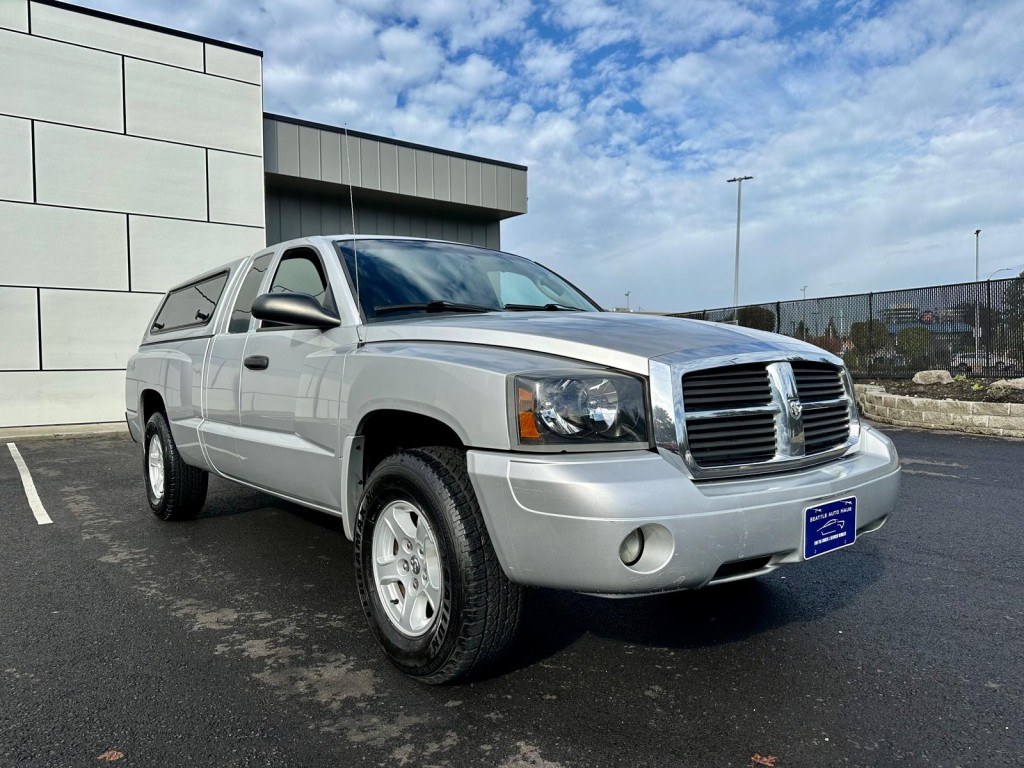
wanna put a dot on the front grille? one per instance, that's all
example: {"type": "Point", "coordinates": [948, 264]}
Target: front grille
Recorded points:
{"type": "Point", "coordinates": [817, 381]}
{"type": "Point", "coordinates": [740, 418]}
{"type": "Point", "coordinates": [741, 386]}
{"type": "Point", "coordinates": [732, 439]}
{"type": "Point", "coordinates": [826, 428]}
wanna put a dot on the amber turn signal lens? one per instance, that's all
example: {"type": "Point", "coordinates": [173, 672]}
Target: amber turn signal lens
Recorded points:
{"type": "Point", "coordinates": [525, 406]}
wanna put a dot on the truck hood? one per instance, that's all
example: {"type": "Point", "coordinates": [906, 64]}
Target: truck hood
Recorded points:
{"type": "Point", "coordinates": [617, 340]}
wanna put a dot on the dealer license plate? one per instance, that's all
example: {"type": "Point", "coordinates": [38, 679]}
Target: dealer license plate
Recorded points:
{"type": "Point", "coordinates": [830, 526]}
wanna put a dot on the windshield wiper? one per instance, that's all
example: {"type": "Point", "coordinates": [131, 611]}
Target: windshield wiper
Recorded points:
{"type": "Point", "coordinates": [432, 306]}
{"type": "Point", "coordinates": [541, 308]}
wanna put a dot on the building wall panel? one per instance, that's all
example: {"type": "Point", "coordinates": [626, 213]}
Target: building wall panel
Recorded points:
{"type": "Point", "coordinates": [15, 159]}
{"type": "Point", "coordinates": [351, 160]}
{"type": "Point", "coordinates": [110, 172]}
{"type": "Point", "coordinates": [92, 329]}
{"type": "Point", "coordinates": [406, 171]}
{"type": "Point", "coordinates": [192, 108]}
{"type": "Point", "coordinates": [488, 185]}
{"type": "Point", "coordinates": [318, 213]}
{"type": "Point", "coordinates": [389, 167]}
{"type": "Point", "coordinates": [333, 213]}
{"type": "Point", "coordinates": [442, 177]}
{"type": "Point", "coordinates": [291, 218]}
{"type": "Point", "coordinates": [238, 65]}
{"type": "Point", "coordinates": [108, 35]}
{"type": "Point", "coordinates": [62, 83]}
{"type": "Point", "coordinates": [310, 215]}
{"type": "Point", "coordinates": [287, 150]}
{"type": "Point", "coordinates": [235, 188]}
{"type": "Point", "coordinates": [19, 343]}
{"type": "Point", "coordinates": [366, 221]}
{"type": "Point", "coordinates": [473, 193]}
{"type": "Point", "coordinates": [369, 163]}
{"type": "Point", "coordinates": [424, 173]}
{"type": "Point", "coordinates": [385, 221]}
{"type": "Point", "coordinates": [55, 397]}
{"type": "Point", "coordinates": [450, 230]}
{"type": "Point", "coordinates": [309, 152]}
{"type": "Point", "coordinates": [458, 179]}
{"type": "Point", "coordinates": [14, 14]}
{"type": "Point", "coordinates": [403, 223]}
{"type": "Point", "coordinates": [330, 156]}
{"type": "Point", "coordinates": [166, 252]}
{"type": "Point", "coordinates": [62, 247]}
{"type": "Point", "coordinates": [493, 235]}
{"type": "Point", "coordinates": [518, 183]}
{"type": "Point", "coordinates": [503, 183]}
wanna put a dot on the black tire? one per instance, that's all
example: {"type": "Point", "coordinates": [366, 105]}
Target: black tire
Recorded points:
{"type": "Point", "coordinates": [479, 608]}
{"type": "Point", "coordinates": [184, 486]}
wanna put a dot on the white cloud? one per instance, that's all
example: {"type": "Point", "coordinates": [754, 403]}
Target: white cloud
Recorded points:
{"type": "Point", "coordinates": [880, 135]}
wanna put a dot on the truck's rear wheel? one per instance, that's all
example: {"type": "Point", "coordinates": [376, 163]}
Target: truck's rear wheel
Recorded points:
{"type": "Point", "coordinates": [429, 582]}
{"type": "Point", "coordinates": [176, 491]}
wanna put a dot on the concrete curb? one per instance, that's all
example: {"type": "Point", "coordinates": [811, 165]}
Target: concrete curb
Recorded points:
{"type": "Point", "coordinates": [63, 430]}
{"type": "Point", "coordinates": [996, 419]}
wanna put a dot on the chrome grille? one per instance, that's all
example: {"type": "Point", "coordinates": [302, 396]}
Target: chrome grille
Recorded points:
{"type": "Point", "coordinates": [764, 416]}
{"type": "Point", "coordinates": [740, 386]}
{"type": "Point", "coordinates": [826, 428]}
{"type": "Point", "coordinates": [817, 381]}
{"type": "Point", "coordinates": [732, 439]}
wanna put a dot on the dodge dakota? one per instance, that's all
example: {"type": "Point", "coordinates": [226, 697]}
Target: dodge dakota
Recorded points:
{"type": "Point", "coordinates": [480, 426]}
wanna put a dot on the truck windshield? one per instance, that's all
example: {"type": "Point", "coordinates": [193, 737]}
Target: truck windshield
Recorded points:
{"type": "Point", "coordinates": [403, 277]}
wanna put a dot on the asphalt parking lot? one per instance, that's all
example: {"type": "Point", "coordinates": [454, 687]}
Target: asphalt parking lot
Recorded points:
{"type": "Point", "coordinates": [237, 639]}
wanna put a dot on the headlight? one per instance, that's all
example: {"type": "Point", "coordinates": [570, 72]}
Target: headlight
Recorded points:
{"type": "Point", "coordinates": [599, 408]}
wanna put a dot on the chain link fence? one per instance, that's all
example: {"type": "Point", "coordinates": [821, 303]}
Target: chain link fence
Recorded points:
{"type": "Point", "coordinates": [972, 328]}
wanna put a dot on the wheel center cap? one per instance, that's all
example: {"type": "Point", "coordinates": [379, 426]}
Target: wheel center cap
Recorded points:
{"type": "Point", "coordinates": [415, 563]}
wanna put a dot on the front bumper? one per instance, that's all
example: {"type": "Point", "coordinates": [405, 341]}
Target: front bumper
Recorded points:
{"type": "Point", "coordinates": [558, 520]}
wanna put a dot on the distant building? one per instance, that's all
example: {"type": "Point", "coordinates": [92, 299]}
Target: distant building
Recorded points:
{"type": "Point", "coordinates": [133, 156]}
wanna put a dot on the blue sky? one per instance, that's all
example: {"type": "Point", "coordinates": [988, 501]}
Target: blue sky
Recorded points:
{"type": "Point", "coordinates": [880, 134]}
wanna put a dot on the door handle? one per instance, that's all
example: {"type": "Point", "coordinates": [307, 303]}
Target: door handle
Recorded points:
{"type": "Point", "coordinates": [257, 362]}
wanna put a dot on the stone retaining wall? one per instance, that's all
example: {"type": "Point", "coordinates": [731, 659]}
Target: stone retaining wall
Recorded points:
{"type": "Point", "coordinates": [1000, 419]}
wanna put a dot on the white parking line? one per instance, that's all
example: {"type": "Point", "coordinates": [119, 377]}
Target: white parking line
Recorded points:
{"type": "Point", "coordinates": [30, 488]}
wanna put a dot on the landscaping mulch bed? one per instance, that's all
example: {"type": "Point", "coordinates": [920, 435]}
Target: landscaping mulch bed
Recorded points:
{"type": "Point", "coordinates": [960, 389]}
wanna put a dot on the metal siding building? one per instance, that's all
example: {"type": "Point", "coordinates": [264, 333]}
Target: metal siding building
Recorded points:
{"type": "Point", "coordinates": [134, 156]}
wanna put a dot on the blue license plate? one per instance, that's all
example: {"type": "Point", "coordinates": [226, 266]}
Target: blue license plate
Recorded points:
{"type": "Point", "coordinates": [830, 526]}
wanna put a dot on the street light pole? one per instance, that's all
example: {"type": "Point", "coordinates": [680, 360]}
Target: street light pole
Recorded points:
{"type": "Point", "coordinates": [977, 318]}
{"type": "Point", "coordinates": [739, 204]}
{"type": "Point", "coordinates": [977, 238]}
{"type": "Point", "coordinates": [803, 306]}
{"type": "Point", "coordinates": [627, 300]}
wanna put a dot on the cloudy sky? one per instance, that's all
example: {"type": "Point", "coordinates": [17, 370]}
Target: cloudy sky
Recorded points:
{"type": "Point", "coordinates": [880, 135]}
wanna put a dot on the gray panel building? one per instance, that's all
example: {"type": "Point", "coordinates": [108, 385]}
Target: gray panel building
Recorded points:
{"type": "Point", "coordinates": [133, 156]}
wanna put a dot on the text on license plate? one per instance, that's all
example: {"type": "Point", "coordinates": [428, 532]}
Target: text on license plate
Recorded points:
{"type": "Point", "coordinates": [830, 526]}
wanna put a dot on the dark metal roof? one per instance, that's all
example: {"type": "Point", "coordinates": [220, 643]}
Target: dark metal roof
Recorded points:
{"type": "Point", "coordinates": [389, 140]}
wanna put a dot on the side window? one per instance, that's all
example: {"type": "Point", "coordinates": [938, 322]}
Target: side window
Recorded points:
{"type": "Point", "coordinates": [190, 306]}
{"type": "Point", "coordinates": [247, 293]}
{"type": "Point", "coordinates": [300, 271]}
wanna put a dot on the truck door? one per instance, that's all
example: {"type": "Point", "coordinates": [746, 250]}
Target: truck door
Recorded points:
{"type": "Point", "coordinates": [224, 370]}
{"type": "Point", "coordinates": [288, 439]}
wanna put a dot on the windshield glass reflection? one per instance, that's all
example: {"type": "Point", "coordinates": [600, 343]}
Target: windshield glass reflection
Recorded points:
{"type": "Point", "coordinates": [402, 277]}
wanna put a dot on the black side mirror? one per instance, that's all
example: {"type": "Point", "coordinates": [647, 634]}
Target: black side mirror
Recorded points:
{"type": "Point", "coordinates": [294, 309]}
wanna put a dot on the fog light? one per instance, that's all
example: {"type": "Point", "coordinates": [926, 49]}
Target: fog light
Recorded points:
{"type": "Point", "coordinates": [632, 547]}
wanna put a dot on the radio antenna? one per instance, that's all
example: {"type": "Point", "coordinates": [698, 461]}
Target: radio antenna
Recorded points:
{"type": "Point", "coordinates": [352, 211]}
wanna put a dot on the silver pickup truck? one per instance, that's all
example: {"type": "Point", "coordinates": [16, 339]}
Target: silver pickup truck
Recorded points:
{"type": "Point", "coordinates": [480, 426]}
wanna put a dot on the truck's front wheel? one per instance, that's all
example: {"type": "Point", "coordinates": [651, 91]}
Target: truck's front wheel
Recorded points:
{"type": "Point", "coordinates": [429, 582]}
{"type": "Point", "coordinates": [176, 491]}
